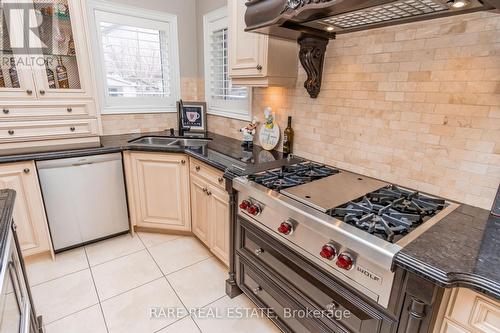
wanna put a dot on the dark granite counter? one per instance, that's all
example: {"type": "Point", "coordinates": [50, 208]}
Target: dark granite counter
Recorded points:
{"type": "Point", "coordinates": [462, 250]}
{"type": "Point", "coordinates": [6, 206]}
{"type": "Point", "coordinates": [223, 153]}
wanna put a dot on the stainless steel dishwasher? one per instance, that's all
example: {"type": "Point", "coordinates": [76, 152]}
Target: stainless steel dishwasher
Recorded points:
{"type": "Point", "coordinates": [84, 198]}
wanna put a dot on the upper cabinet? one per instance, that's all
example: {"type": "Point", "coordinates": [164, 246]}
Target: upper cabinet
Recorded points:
{"type": "Point", "coordinates": [258, 60]}
{"type": "Point", "coordinates": [47, 96]}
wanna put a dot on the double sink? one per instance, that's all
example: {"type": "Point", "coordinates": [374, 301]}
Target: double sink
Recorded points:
{"type": "Point", "coordinates": [160, 141]}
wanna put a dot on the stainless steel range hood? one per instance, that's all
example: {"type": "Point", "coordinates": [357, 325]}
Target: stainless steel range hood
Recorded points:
{"type": "Point", "coordinates": [314, 22]}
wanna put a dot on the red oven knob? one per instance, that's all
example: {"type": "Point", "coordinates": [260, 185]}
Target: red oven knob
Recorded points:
{"type": "Point", "coordinates": [345, 261]}
{"type": "Point", "coordinates": [253, 209]}
{"type": "Point", "coordinates": [285, 228]}
{"type": "Point", "coordinates": [328, 251]}
{"type": "Point", "coordinates": [245, 204]}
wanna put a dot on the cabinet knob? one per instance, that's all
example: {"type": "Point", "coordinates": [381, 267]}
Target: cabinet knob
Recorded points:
{"type": "Point", "coordinates": [259, 251]}
{"type": "Point", "coordinates": [6, 111]}
{"type": "Point", "coordinates": [69, 109]}
{"type": "Point", "coordinates": [257, 290]}
{"type": "Point", "coordinates": [221, 180]}
{"type": "Point", "coordinates": [11, 132]}
{"type": "Point", "coordinates": [205, 189]}
{"type": "Point", "coordinates": [332, 306]}
{"type": "Point", "coordinates": [197, 168]}
{"type": "Point", "coordinates": [29, 92]}
{"type": "Point", "coordinates": [209, 193]}
{"type": "Point", "coordinates": [183, 162]}
{"type": "Point", "coordinates": [259, 67]}
{"type": "Point", "coordinates": [42, 92]}
{"type": "Point", "coordinates": [14, 226]}
{"type": "Point", "coordinates": [26, 170]}
{"type": "Point", "coordinates": [72, 128]}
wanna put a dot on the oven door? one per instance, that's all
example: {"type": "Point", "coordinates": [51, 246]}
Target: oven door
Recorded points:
{"type": "Point", "coordinates": [15, 307]}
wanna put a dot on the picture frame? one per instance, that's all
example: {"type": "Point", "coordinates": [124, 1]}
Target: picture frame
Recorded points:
{"type": "Point", "coordinates": [193, 115]}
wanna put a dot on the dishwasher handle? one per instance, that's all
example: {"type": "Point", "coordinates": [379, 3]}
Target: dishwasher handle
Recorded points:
{"type": "Point", "coordinates": [78, 161]}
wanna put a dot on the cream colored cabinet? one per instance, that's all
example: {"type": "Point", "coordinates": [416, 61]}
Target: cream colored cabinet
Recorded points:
{"type": "Point", "coordinates": [210, 209]}
{"type": "Point", "coordinates": [158, 190]}
{"type": "Point", "coordinates": [258, 60]}
{"type": "Point", "coordinates": [29, 212]}
{"type": "Point", "coordinates": [199, 209]}
{"type": "Point", "coordinates": [50, 79]}
{"type": "Point", "coordinates": [466, 311]}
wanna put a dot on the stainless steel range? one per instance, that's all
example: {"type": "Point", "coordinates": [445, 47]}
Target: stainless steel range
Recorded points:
{"type": "Point", "coordinates": [347, 224]}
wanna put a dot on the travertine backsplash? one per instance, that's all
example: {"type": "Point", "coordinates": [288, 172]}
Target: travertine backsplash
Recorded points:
{"type": "Point", "coordinates": [417, 105]}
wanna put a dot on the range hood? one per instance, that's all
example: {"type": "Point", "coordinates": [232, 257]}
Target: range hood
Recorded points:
{"type": "Point", "coordinates": [314, 22]}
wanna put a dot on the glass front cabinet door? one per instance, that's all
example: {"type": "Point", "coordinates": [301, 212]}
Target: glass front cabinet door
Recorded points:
{"type": "Point", "coordinates": [55, 52]}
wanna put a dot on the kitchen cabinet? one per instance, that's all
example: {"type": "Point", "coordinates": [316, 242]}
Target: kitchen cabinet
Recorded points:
{"type": "Point", "coordinates": [49, 79]}
{"type": "Point", "coordinates": [210, 209]}
{"type": "Point", "coordinates": [158, 190]}
{"type": "Point", "coordinates": [29, 212]}
{"type": "Point", "coordinates": [466, 311]}
{"type": "Point", "coordinates": [258, 60]}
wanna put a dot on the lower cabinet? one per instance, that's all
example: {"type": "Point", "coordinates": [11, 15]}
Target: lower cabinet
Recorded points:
{"type": "Point", "coordinates": [466, 311]}
{"type": "Point", "coordinates": [29, 212]}
{"type": "Point", "coordinates": [210, 215]}
{"type": "Point", "coordinates": [158, 190]}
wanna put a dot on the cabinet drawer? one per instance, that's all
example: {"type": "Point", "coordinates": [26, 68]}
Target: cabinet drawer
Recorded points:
{"type": "Point", "coordinates": [16, 112]}
{"type": "Point", "coordinates": [40, 130]}
{"type": "Point", "coordinates": [209, 173]}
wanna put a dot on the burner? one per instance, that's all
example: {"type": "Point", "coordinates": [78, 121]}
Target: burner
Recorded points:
{"type": "Point", "coordinates": [292, 175]}
{"type": "Point", "coordinates": [389, 213]}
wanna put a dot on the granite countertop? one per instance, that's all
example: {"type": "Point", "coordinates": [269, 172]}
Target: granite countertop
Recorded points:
{"type": "Point", "coordinates": [462, 250]}
{"type": "Point", "coordinates": [6, 207]}
{"type": "Point", "coordinates": [223, 153]}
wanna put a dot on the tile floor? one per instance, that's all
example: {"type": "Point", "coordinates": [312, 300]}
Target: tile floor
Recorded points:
{"type": "Point", "coordinates": [112, 286]}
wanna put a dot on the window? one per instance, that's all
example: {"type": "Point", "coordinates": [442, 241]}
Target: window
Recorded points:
{"type": "Point", "coordinates": [137, 57]}
{"type": "Point", "coordinates": [222, 97]}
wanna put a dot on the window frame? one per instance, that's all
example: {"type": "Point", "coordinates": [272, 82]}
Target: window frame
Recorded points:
{"type": "Point", "coordinates": [243, 111]}
{"type": "Point", "coordinates": [97, 10]}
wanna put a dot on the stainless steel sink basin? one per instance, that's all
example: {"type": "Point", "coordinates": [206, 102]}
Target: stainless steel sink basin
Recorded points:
{"type": "Point", "coordinates": [170, 142]}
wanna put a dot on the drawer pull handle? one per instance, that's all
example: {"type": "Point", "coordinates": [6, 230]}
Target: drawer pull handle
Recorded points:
{"type": "Point", "coordinates": [257, 290]}
{"type": "Point", "coordinates": [221, 180]}
{"type": "Point", "coordinates": [258, 252]}
{"type": "Point", "coordinates": [29, 92]}
{"type": "Point", "coordinates": [197, 168]}
{"type": "Point", "coordinates": [209, 193]}
{"type": "Point", "coordinates": [11, 132]}
{"type": "Point", "coordinates": [259, 67]}
{"type": "Point", "coordinates": [205, 189]}
{"type": "Point", "coordinates": [69, 109]}
{"type": "Point", "coordinates": [183, 162]}
{"type": "Point", "coordinates": [72, 128]}
{"type": "Point", "coordinates": [42, 92]}
{"type": "Point", "coordinates": [6, 111]}
{"type": "Point", "coordinates": [332, 306]}
{"type": "Point", "coordinates": [26, 170]}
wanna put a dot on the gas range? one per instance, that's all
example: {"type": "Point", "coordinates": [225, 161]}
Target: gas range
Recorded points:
{"type": "Point", "coordinates": [348, 224]}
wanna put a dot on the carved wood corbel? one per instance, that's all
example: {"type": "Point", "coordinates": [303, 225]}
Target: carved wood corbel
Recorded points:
{"type": "Point", "coordinates": [312, 57]}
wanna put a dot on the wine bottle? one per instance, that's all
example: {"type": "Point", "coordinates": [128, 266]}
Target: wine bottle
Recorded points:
{"type": "Point", "coordinates": [2, 81]}
{"type": "Point", "coordinates": [50, 76]}
{"type": "Point", "coordinates": [71, 46]}
{"type": "Point", "coordinates": [14, 78]}
{"type": "Point", "coordinates": [62, 75]}
{"type": "Point", "coordinates": [288, 138]}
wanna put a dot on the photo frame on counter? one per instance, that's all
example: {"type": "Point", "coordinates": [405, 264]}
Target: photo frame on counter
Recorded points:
{"type": "Point", "coordinates": [193, 115]}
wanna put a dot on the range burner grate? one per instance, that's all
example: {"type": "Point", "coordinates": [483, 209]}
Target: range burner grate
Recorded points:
{"type": "Point", "coordinates": [389, 213]}
{"type": "Point", "coordinates": [292, 175]}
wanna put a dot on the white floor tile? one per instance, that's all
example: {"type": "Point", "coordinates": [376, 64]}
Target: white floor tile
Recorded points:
{"type": "Point", "coordinates": [117, 276]}
{"type": "Point", "coordinates": [113, 248]}
{"type": "Point", "coordinates": [64, 296]}
{"type": "Point", "coordinates": [230, 323]}
{"type": "Point", "coordinates": [185, 325]}
{"type": "Point", "coordinates": [130, 312]}
{"type": "Point", "coordinates": [179, 253]}
{"type": "Point", "coordinates": [89, 320]}
{"type": "Point", "coordinates": [151, 239]}
{"type": "Point", "coordinates": [200, 284]}
{"type": "Point", "coordinates": [43, 269]}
